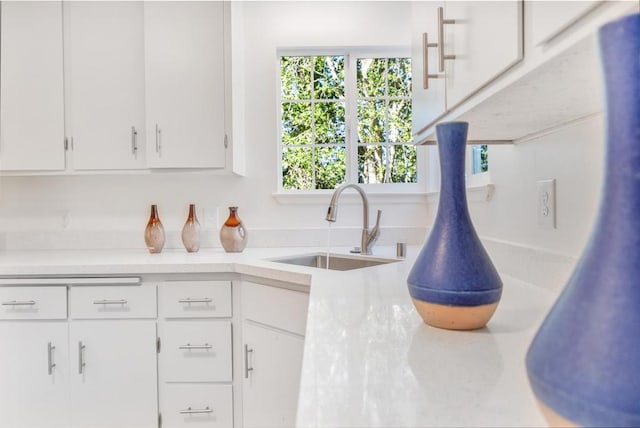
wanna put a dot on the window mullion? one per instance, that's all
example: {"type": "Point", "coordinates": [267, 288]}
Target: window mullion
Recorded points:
{"type": "Point", "coordinates": [351, 91]}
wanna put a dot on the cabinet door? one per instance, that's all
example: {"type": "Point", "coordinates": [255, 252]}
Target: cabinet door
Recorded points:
{"type": "Point", "coordinates": [550, 18]}
{"type": "Point", "coordinates": [105, 53]}
{"type": "Point", "coordinates": [113, 374]}
{"type": "Point", "coordinates": [486, 40]}
{"type": "Point", "coordinates": [184, 60]}
{"type": "Point", "coordinates": [31, 84]}
{"type": "Point", "coordinates": [34, 374]}
{"type": "Point", "coordinates": [273, 363]}
{"type": "Point", "coordinates": [428, 93]}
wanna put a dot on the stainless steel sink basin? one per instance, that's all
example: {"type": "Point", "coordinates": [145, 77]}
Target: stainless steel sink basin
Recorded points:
{"type": "Point", "coordinates": [336, 261]}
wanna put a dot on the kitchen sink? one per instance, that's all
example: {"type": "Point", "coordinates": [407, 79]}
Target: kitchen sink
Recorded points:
{"type": "Point", "coordinates": [336, 261]}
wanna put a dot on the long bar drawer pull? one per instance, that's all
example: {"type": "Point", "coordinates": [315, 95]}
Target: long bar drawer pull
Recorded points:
{"type": "Point", "coordinates": [50, 363]}
{"type": "Point", "coordinates": [247, 369]}
{"type": "Point", "coordinates": [81, 362]}
{"type": "Point", "coordinates": [201, 300]}
{"type": "Point", "coordinates": [190, 346]}
{"type": "Point", "coordinates": [110, 302]}
{"type": "Point", "coordinates": [19, 303]}
{"type": "Point", "coordinates": [190, 411]}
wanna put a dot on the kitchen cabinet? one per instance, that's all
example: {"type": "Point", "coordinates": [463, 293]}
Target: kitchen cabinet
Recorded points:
{"type": "Point", "coordinates": [273, 341]}
{"type": "Point", "coordinates": [486, 39]}
{"type": "Point", "coordinates": [465, 46]}
{"type": "Point", "coordinates": [550, 18]}
{"type": "Point", "coordinates": [112, 342]}
{"type": "Point", "coordinates": [113, 376]}
{"type": "Point", "coordinates": [195, 358]}
{"type": "Point", "coordinates": [105, 96]}
{"type": "Point", "coordinates": [185, 84]}
{"type": "Point", "coordinates": [31, 87]}
{"type": "Point", "coordinates": [428, 91]}
{"type": "Point", "coordinates": [34, 364]}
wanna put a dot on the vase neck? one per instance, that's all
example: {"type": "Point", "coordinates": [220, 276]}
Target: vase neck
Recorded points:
{"type": "Point", "coordinates": [233, 219]}
{"type": "Point", "coordinates": [452, 144]}
{"type": "Point", "coordinates": [154, 212]}
{"type": "Point", "coordinates": [192, 212]}
{"type": "Point", "coordinates": [619, 47]}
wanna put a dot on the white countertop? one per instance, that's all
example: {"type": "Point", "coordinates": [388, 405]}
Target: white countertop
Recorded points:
{"type": "Point", "coordinates": [369, 359]}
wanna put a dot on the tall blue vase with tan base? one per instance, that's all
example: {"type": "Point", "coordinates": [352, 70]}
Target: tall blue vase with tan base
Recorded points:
{"type": "Point", "coordinates": [453, 283]}
{"type": "Point", "coordinates": [584, 363]}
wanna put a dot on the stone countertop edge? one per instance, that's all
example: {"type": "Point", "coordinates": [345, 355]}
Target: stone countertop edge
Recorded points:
{"type": "Point", "coordinates": [369, 360]}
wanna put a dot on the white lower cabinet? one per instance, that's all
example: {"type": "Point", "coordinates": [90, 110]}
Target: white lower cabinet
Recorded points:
{"type": "Point", "coordinates": [195, 355]}
{"type": "Point", "coordinates": [273, 343]}
{"type": "Point", "coordinates": [34, 374]}
{"type": "Point", "coordinates": [113, 373]}
{"type": "Point", "coordinates": [270, 389]}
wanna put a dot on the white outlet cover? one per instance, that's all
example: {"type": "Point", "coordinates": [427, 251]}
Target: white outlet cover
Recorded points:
{"type": "Point", "coordinates": [546, 204]}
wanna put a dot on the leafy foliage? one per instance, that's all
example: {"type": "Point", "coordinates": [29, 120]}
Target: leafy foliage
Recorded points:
{"type": "Point", "coordinates": [314, 154]}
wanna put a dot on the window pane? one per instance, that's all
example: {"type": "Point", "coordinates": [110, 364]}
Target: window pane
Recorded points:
{"type": "Point", "coordinates": [399, 77]}
{"type": "Point", "coordinates": [387, 164]}
{"type": "Point", "coordinates": [399, 121]}
{"type": "Point", "coordinates": [480, 159]}
{"type": "Point", "coordinates": [297, 168]}
{"type": "Point", "coordinates": [370, 76]}
{"type": "Point", "coordinates": [328, 77]}
{"type": "Point", "coordinates": [296, 123]}
{"type": "Point", "coordinates": [371, 121]}
{"type": "Point", "coordinates": [295, 75]}
{"type": "Point", "coordinates": [330, 167]}
{"type": "Point", "coordinates": [329, 123]}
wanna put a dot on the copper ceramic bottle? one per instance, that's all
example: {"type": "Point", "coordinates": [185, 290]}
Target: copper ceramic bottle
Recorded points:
{"type": "Point", "coordinates": [191, 231]}
{"type": "Point", "coordinates": [154, 232]}
{"type": "Point", "coordinates": [233, 235]}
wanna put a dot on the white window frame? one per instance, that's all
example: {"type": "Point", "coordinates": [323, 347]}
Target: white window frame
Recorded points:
{"type": "Point", "coordinates": [351, 55]}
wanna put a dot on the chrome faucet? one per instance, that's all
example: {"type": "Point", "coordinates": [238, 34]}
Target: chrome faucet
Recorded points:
{"type": "Point", "coordinates": [368, 239]}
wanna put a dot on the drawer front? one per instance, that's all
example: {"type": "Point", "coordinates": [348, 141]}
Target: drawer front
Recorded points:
{"type": "Point", "coordinates": [33, 303]}
{"type": "Point", "coordinates": [277, 307]}
{"type": "Point", "coordinates": [112, 302]}
{"type": "Point", "coordinates": [195, 299]}
{"type": "Point", "coordinates": [195, 351]}
{"type": "Point", "coordinates": [209, 406]}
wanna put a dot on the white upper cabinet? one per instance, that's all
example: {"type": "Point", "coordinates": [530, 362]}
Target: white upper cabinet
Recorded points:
{"type": "Point", "coordinates": [465, 45]}
{"type": "Point", "coordinates": [185, 85]}
{"type": "Point", "coordinates": [31, 87]}
{"type": "Point", "coordinates": [105, 57]}
{"type": "Point", "coordinates": [428, 93]}
{"type": "Point", "coordinates": [486, 38]}
{"type": "Point", "coordinates": [550, 18]}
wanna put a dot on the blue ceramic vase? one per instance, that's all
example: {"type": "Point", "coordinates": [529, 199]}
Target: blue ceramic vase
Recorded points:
{"type": "Point", "coordinates": [453, 283]}
{"type": "Point", "coordinates": [584, 363]}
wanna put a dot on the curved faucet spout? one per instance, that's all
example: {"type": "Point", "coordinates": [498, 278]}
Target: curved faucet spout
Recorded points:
{"type": "Point", "coordinates": [368, 239]}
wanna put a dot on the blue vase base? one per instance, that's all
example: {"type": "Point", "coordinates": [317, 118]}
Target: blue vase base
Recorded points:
{"type": "Point", "coordinates": [454, 297]}
{"type": "Point", "coordinates": [452, 317]}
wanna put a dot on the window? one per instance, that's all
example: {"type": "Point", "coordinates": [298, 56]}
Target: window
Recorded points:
{"type": "Point", "coordinates": [345, 118]}
{"type": "Point", "coordinates": [479, 158]}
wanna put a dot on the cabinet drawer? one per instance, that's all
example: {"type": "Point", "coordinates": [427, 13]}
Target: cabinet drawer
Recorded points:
{"type": "Point", "coordinates": [35, 303]}
{"type": "Point", "coordinates": [277, 307]}
{"type": "Point", "coordinates": [195, 351]}
{"type": "Point", "coordinates": [195, 299]}
{"type": "Point", "coordinates": [208, 406]}
{"type": "Point", "coordinates": [112, 302]}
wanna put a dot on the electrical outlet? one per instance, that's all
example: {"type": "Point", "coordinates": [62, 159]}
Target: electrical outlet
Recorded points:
{"type": "Point", "coordinates": [547, 204]}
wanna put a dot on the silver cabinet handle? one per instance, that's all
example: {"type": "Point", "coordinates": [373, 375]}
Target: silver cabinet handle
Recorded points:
{"type": "Point", "coordinates": [134, 141]}
{"type": "Point", "coordinates": [50, 363]}
{"type": "Point", "coordinates": [190, 346]}
{"type": "Point", "coordinates": [158, 140]}
{"type": "Point", "coordinates": [425, 61]}
{"type": "Point", "coordinates": [189, 411]}
{"type": "Point", "coordinates": [110, 302]}
{"type": "Point", "coordinates": [201, 300]}
{"type": "Point", "coordinates": [19, 303]}
{"type": "Point", "coordinates": [441, 24]}
{"type": "Point", "coordinates": [81, 363]}
{"type": "Point", "coordinates": [247, 369]}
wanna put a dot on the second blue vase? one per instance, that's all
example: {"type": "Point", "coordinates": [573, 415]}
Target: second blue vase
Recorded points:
{"type": "Point", "coordinates": [453, 282]}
